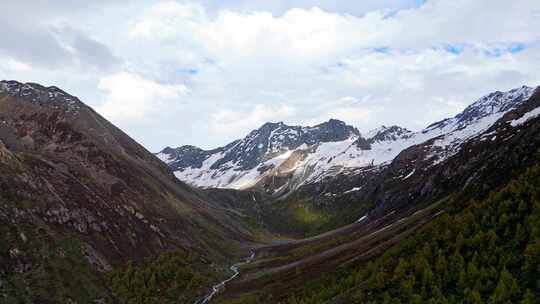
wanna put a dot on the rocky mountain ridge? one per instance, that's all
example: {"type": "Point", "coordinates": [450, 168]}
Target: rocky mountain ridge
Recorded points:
{"type": "Point", "coordinates": [36, 93]}
{"type": "Point", "coordinates": [283, 161]}
{"type": "Point", "coordinates": [79, 197]}
{"type": "Point", "coordinates": [239, 163]}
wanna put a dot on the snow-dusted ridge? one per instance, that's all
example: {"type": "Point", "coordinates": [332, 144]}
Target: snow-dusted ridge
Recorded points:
{"type": "Point", "coordinates": [51, 96]}
{"type": "Point", "coordinates": [302, 155]}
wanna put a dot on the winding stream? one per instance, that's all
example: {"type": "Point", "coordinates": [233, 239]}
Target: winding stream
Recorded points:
{"type": "Point", "coordinates": [219, 287]}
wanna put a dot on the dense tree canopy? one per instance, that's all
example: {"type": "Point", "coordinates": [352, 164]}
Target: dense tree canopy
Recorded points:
{"type": "Point", "coordinates": [476, 252]}
{"type": "Point", "coordinates": [173, 277]}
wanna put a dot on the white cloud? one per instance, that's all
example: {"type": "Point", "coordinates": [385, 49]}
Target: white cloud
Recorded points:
{"type": "Point", "coordinates": [316, 34]}
{"type": "Point", "coordinates": [397, 66]}
{"type": "Point", "coordinates": [233, 123]}
{"type": "Point", "coordinates": [169, 19]}
{"type": "Point", "coordinates": [132, 98]}
{"type": "Point", "coordinates": [10, 64]}
{"type": "Point", "coordinates": [246, 63]}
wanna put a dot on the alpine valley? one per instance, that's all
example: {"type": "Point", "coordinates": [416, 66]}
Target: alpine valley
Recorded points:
{"type": "Point", "coordinates": [287, 214]}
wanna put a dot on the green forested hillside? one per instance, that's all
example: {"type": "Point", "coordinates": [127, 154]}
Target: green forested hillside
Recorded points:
{"type": "Point", "coordinates": [174, 277]}
{"type": "Point", "coordinates": [476, 252]}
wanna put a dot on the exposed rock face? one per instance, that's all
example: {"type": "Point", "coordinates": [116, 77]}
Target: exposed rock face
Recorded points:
{"type": "Point", "coordinates": [76, 186]}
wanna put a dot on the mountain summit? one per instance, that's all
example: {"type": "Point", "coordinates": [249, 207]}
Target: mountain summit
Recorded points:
{"type": "Point", "coordinates": [240, 163]}
{"type": "Point", "coordinates": [296, 155]}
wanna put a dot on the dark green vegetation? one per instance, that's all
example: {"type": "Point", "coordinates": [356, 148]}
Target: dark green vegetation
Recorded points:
{"type": "Point", "coordinates": [303, 217]}
{"type": "Point", "coordinates": [476, 252]}
{"type": "Point", "coordinates": [57, 277]}
{"type": "Point", "coordinates": [173, 277]}
{"type": "Point", "coordinates": [283, 268]}
{"type": "Point", "coordinates": [293, 216]}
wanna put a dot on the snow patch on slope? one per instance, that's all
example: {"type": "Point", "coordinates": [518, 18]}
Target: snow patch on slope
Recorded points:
{"type": "Point", "coordinates": [166, 158]}
{"type": "Point", "coordinates": [526, 117]}
{"type": "Point", "coordinates": [330, 158]}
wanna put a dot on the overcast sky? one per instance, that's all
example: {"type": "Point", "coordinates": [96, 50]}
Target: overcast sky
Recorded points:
{"type": "Point", "coordinates": [171, 73]}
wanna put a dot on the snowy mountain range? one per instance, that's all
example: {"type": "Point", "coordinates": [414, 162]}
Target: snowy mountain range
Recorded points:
{"type": "Point", "coordinates": [280, 158]}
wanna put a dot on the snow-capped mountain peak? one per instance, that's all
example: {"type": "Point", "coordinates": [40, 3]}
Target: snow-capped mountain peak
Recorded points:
{"type": "Point", "coordinates": [391, 133]}
{"type": "Point", "coordinates": [279, 157]}
{"type": "Point", "coordinates": [494, 103]}
{"type": "Point", "coordinates": [51, 96]}
{"type": "Point", "coordinates": [241, 162]}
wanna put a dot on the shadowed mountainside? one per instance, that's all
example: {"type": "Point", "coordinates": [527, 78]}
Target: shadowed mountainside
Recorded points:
{"type": "Point", "coordinates": [78, 193]}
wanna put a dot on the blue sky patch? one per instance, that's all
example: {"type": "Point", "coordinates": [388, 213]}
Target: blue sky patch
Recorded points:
{"type": "Point", "coordinates": [513, 48]}
{"type": "Point", "coordinates": [516, 48]}
{"type": "Point", "coordinates": [454, 48]}
{"type": "Point", "coordinates": [187, 71]}
{"type": "Point", "coordinates": [382, 50]}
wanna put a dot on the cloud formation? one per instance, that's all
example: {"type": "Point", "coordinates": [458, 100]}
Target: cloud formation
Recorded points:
{"type": "Point", "coordinates": [232, 123]}
{"type": "Point", "coordinates": [132, 98]}
{"type": "Point", "coordinates": [208, 72]}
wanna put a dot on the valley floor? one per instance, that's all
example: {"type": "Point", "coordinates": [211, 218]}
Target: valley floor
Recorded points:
{"type": "Point", "coordinates": [463, 250]}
